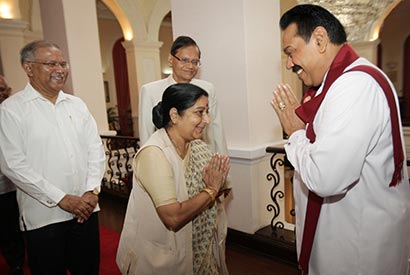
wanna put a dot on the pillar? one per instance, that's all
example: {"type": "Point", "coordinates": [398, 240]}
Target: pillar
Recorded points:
{"type": "Point", "coordinates": [11, 41]}
{"type": "Point", "coordinates": [72, 24]}
{"type": "Point", "coordinates": [143, 64]}
{"type": "Point", "coordinates": [367, 49]}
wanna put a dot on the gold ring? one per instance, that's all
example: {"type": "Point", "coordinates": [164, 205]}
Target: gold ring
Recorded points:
{"type": "Point", "coordinates": [281, 106]}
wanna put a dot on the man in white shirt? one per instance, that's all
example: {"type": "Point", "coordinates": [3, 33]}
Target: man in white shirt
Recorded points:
{"type": "Point", "coordinates": [50, 148]}
{"type": "Point", "coordinates": [352, 195]}
{"type": "Point", "coordinates": [11, 238]}
{"type": "Point", "coordinates": [184, 59]}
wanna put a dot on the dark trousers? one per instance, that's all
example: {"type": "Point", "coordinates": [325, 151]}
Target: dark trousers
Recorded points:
{"type": "Point", "coordinates": [56, 248]}
{"type": "Point", "coordinates": [11, 238]}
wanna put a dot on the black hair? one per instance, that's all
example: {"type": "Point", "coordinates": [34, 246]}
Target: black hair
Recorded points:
{"type": "Point", "coordinates": [180, 96]}
{"type": "Point", "coordinates": [182, 42]}
{"type": "Point", "coordinates": [28, 52]}
{"type": "Point", "coordinates": [308, 17]}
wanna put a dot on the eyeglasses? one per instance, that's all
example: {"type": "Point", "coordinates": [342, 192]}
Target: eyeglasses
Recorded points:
{"type": "Point", "coordinates": [52, 64]}
{"type": "Point", "coordinates": [186, 61]}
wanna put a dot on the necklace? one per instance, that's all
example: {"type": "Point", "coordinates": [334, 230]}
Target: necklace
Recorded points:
{"type": "Point", "coordinates": [182, 155]}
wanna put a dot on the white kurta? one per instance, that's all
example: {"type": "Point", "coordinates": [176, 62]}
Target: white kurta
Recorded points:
{"type": "Point", "coordinates": [151, 94]}
{"type": "Point", "coordinates": [48, 150]}
{"type": "Point", "coordinates": [364, 226]}
{"type": "Point", "coordinates": [6, 185]}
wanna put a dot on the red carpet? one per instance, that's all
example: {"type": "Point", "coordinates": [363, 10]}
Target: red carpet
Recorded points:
{"type": "Point", "coordinates": [109, 244]}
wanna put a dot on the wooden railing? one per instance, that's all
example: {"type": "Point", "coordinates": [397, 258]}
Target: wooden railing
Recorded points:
{"type": "Point", "coordinates": [120, 151]}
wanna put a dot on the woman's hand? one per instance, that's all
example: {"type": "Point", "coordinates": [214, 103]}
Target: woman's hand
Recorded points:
{"type": "Point", "coordinates": [176, 215]}
{"type": "Point", "coordinates": [215, 172]}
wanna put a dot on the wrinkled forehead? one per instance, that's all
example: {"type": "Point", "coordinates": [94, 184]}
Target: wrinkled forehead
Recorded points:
{"type": "Point", "coordinates": [291, 40]}
{"type": "Point", "coordinates": [289, 34]}
{"type": "Point", "coordinates": [189, 50]}
{"type": "Point", "coordinates": [201, 102]}
{"type": "Point", "coordinates": [48, 51]}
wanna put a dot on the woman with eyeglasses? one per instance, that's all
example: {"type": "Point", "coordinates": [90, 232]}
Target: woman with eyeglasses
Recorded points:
{"type": "Point", "coordinates": [175, 221]}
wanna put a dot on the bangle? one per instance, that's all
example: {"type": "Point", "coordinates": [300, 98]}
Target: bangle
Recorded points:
{"type": "Point", "coordinates": [95, 191]}
{"type": "Point", "coordinates": [211, 192]}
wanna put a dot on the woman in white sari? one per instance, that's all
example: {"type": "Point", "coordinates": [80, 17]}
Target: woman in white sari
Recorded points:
{"type": "Point", "coordinates": [175, 222]}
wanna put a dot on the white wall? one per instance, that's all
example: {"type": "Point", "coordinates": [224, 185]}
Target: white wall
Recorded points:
{"type": "Point", "coordinates": [240, 45]}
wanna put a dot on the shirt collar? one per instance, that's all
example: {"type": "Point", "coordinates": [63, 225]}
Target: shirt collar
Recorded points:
{"type": "Point", "coordinates": [33, 94]}
{"type": "Point", "coordinates": [171, 80]}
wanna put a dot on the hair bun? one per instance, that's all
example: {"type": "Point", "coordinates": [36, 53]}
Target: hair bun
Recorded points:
{"type": "Point", "coordinates": [157, 117]}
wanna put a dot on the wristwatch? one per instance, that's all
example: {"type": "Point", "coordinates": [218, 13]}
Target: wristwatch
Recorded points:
{"type": "Point", "coordinates": [95, 191]}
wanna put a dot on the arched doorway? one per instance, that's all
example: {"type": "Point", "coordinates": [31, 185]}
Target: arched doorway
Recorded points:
{"type": "Point", "coordinates": [110, 30]}
{"type": "Point", "coordinates": [122, 89]}
{"type": "Point", "coordinates": [394, 42]}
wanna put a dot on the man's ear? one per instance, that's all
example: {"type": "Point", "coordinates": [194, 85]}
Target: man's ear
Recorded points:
{"type": "Point", "coordinates": [320, 38]}
{"type": "Point", "coordinates": [170, 60]}
{"type": "Point", "coordinates": [28, 68]}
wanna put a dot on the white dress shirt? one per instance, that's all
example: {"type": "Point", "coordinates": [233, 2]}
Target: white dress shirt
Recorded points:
{"type": "Point", "coordinates": [364, 225]}
{"type": "Point", "coordinates": [6, 185]}
{"type": "Point", "coordinates": [48, 150]}
{"type": "Point", "coordinates": [151, 94]}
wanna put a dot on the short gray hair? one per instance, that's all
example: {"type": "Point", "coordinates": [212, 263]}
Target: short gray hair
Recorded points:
{"type": "Point", "coordinates": [28, 52]}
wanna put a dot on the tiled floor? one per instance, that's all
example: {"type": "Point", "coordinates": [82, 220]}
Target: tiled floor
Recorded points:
{"type": "Point", "coordinates": [240, 261]}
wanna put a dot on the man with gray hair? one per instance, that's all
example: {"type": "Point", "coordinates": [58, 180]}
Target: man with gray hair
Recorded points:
{"type": "Point", "coordinates": [50, 148]}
